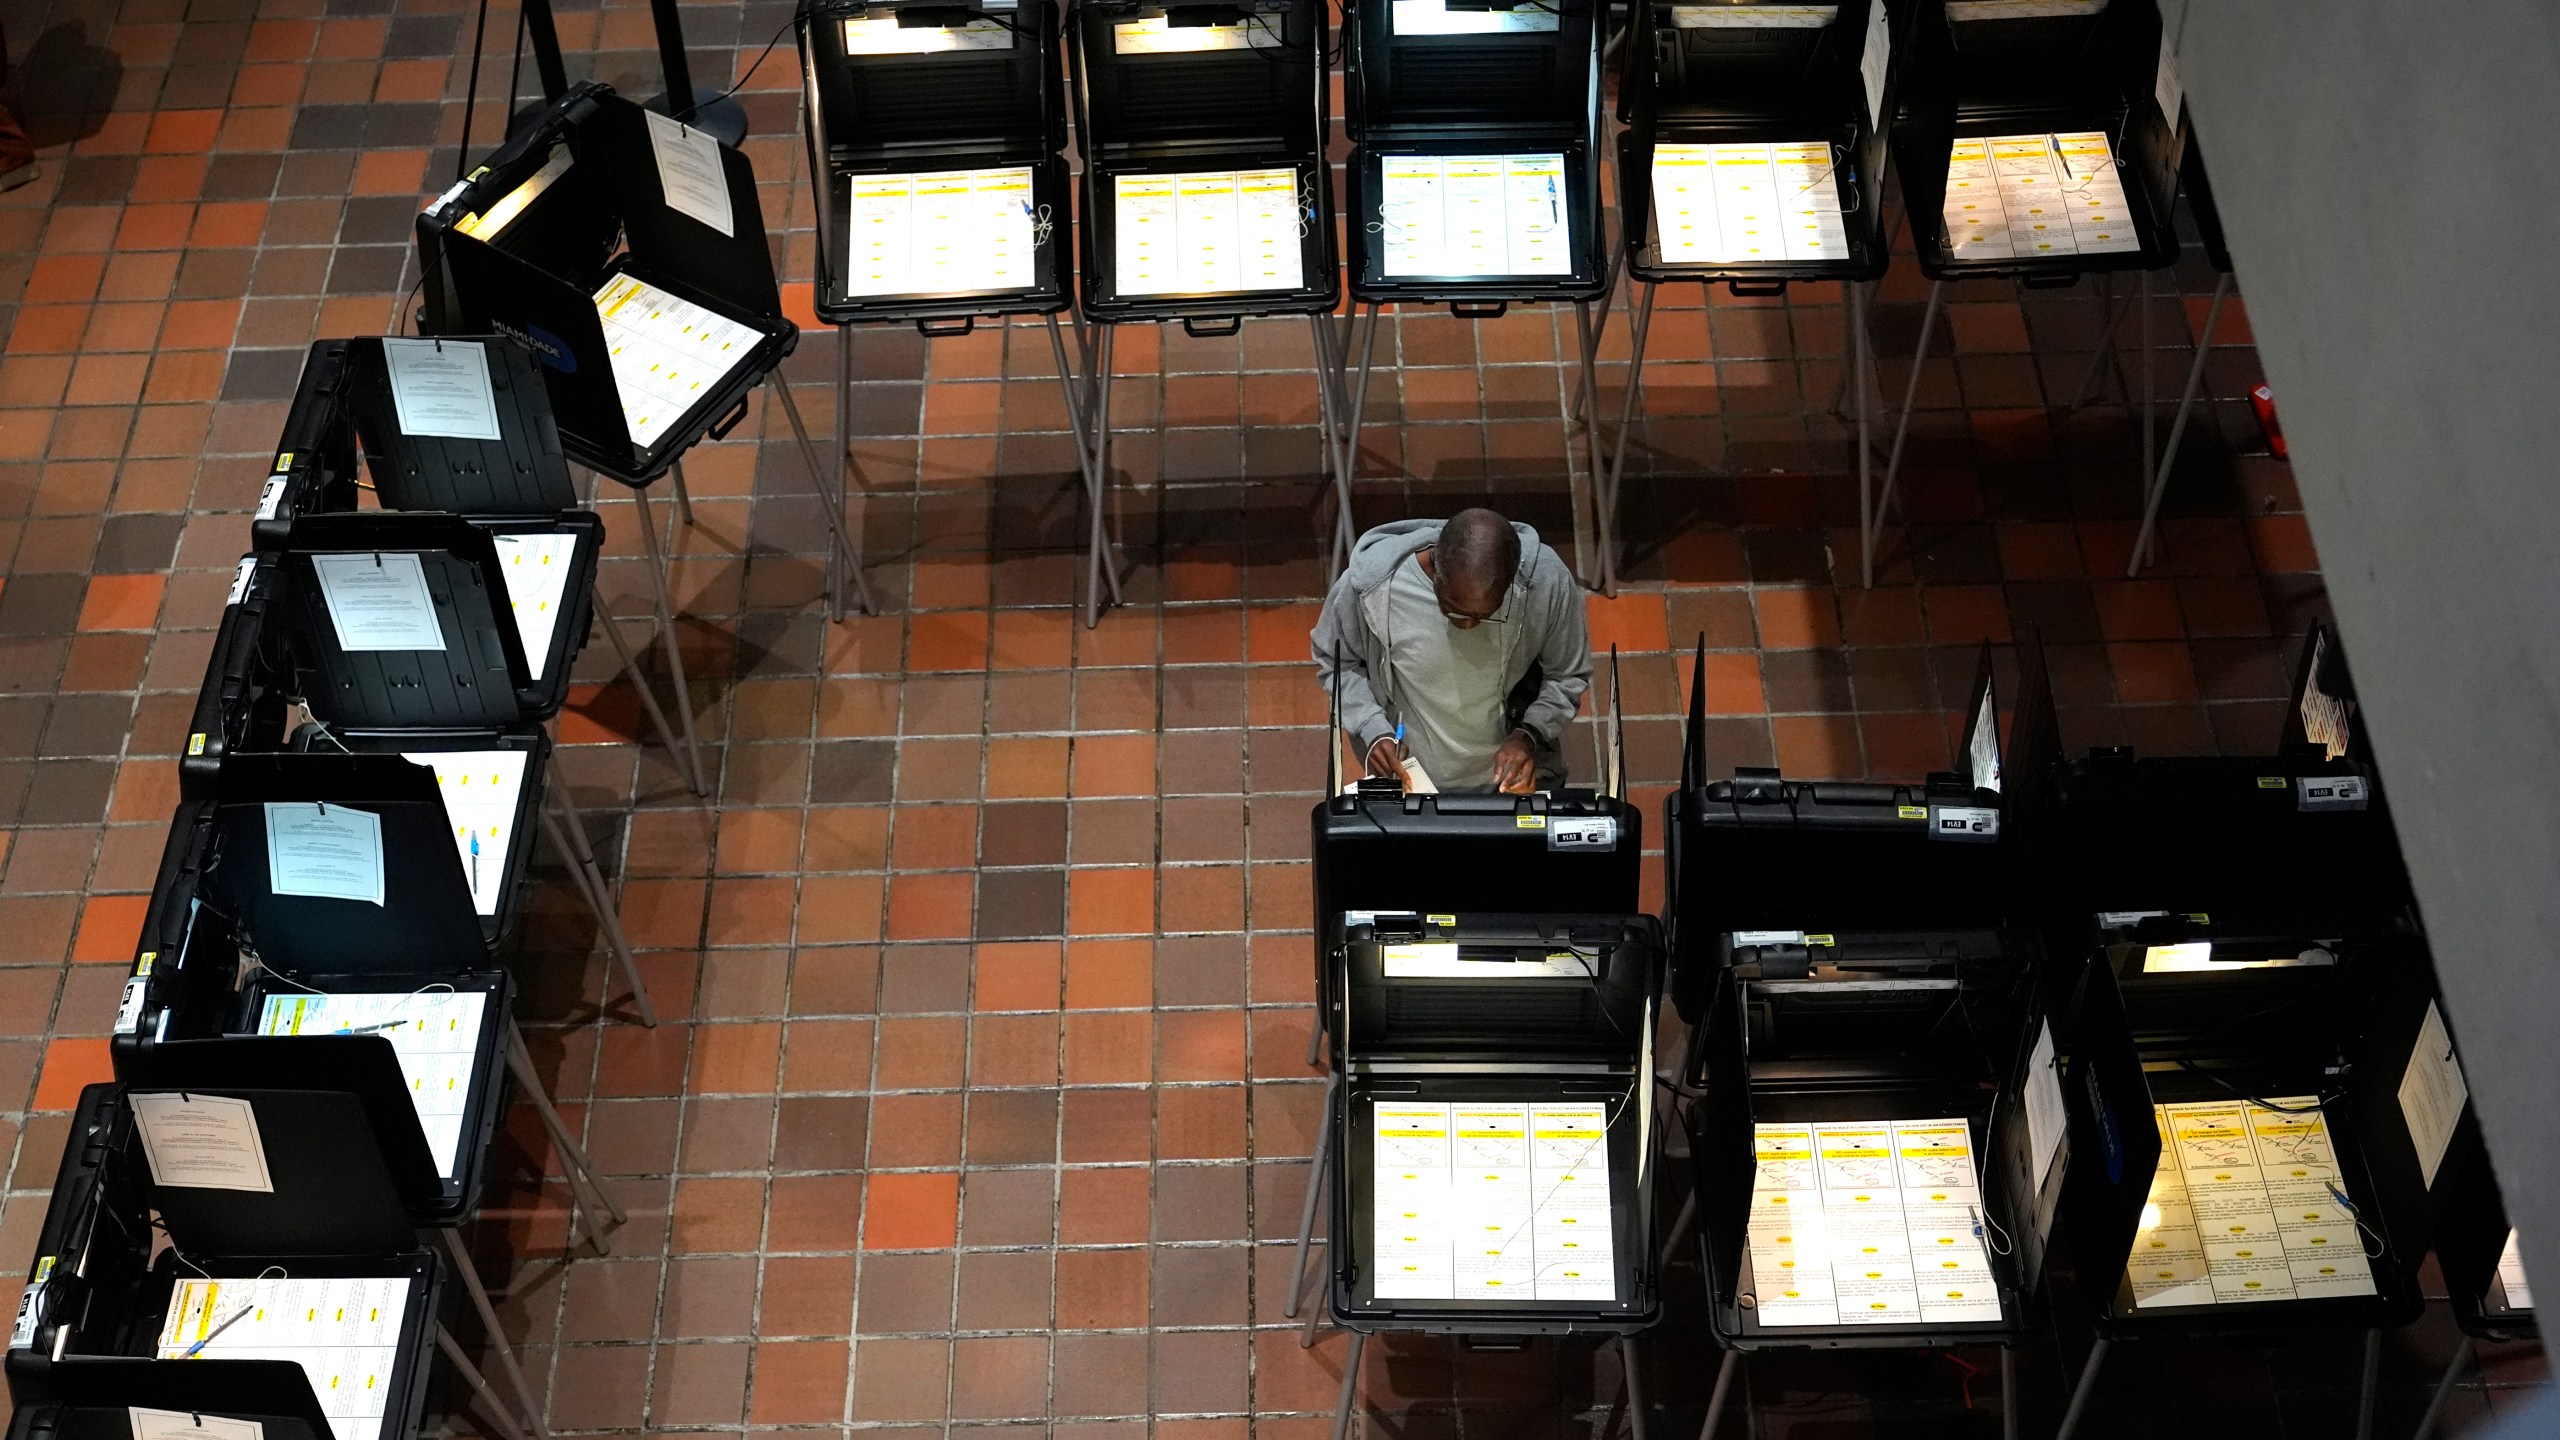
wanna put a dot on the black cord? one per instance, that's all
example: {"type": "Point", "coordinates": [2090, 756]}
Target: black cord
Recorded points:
{"type": "Point", "coordinates": [752, 69]}
{"type": "Point", "coordinates": [471, 94]}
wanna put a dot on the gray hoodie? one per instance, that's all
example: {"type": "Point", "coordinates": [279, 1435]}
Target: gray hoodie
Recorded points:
{"type": "Point", "coordinates": [1544, 628]}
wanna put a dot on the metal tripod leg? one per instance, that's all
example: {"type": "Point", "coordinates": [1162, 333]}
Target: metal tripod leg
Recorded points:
{"type": "Point", "coordinates": [1902, 427]}
{"type": "Point", "coordinates": [2008, 1397]}
{"type": "Point", "coordinates": [506, 1352]}
{"type": "Point", "coordinates": [690, 757]}
{"type": "Point", "coordinates": [568, 831]}
{"type": "Point", "coordinates": [1604, 494]}
{"type": "Point", "coordinates": [2106, 343]}
{"type": "Point", "coordinates": [1101, 567]}
{"type": "Point", "coordinates": [2372, 1382]}
{"type": "Point", "coordinates": [1356, 398]}
{"type": "Point", "coordinates": [831, 500]}
{"type": "Point", "coordinates": [1725, 1372]}
{"type": "Point", "coordinates": [684, 501]}
{"type": "Point", "coordinates": [1323, 1308]}
{"type": "Point", "coordinates": [648, 698]}
{"type": "Point", "coordinates": [2427, 1423]}
{"type": "Point", "coordinates": [1628, 1362]}
{"type": "Point", "coordinates": [1330, 402]}
{"type": "Point", "coordinates": [2081, 1392]}
{"type": "Point", "coordinates": [1605, 484]}
{"type": "Point", "coordinates": [1315, 1189]}
{"type": "Point", "coordinates": [2159, 487]}
{"type": "Point", "coordinates": [1350, 1385]}
{"type": "Point", "coordinates": [479, 1383]}
{"type": "Point", "coordinates": [1862, 361]}
{"type": "Point", "coordinates": [589, 1192]}
{"type": "Point", "coordinates": [1680, 1226]}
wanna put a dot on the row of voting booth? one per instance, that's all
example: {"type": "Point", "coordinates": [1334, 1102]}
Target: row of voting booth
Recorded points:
{"type": "Point", "coordinates": [259, 1226]}
{"type": "Point", "coordinates": [2165, 1025]}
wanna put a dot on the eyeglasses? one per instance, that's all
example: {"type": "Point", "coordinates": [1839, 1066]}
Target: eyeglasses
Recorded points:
{"type": "Point", "coordinates": [1461, 617]}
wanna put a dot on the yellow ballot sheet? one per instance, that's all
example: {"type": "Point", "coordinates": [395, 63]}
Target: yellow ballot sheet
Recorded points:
{"type": "Point", "coordinates": [1475, 215]}
{"type": "Point", "coordinates": [343, 1332]}
{"type": "Point", "coordinates": [941, 231]}
{"type": "Point", "coordinates": [1868, 1223]}
{"type": "Point", "coordinates": [1207, 232]}
{"type": "Point", "coordinates": [1738, 204]}
{"type": "Point", "coordinates": [667, 353]}
{"type": "Point", "coordinates": [1491, 1202]}
{"type": "Point", "coordinates": [436, 1036]}
{"type": "Point", "coordinates": [2015, 197]}
{"type": "Point", "coordinates": [2247, 1205]}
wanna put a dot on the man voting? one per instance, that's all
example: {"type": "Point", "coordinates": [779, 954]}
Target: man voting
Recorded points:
{"type": "Point", "coordinates": [1459, 653]}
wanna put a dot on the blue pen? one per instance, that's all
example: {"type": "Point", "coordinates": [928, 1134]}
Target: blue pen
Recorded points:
{"type": "Point", "coordinates": [475, 860]}
{"type": "Point", "coordinates": [236, 1317]}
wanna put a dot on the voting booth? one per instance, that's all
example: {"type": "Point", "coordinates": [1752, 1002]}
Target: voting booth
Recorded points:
{"type": "Point", "coordinates": [1207, 196]}
{"type": "Point", "coordinates": [1875, 1133]}
{"type": "Point", "coordinates": [1754, 156]}
{"type": "Point", "coordinates": [291, 1257]}
{"type": "Point", "coordinates": [130, 1398]}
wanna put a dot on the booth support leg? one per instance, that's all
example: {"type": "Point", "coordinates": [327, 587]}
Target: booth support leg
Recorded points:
{"type": "Point", "coordinates": [573, 1156]}
{"type": "Point", "coordinates": [506, 1352]}
{"type": "Point", "coordinates": [1585, 408]}
{"type": "Point", "coordinates": [691, 759]}
{"type": "Point", "coordinates": [684, 500]}
{"type": "Point", "coordinates": [2428, 1422]}
{"type": "Point", "coordinates": [1861, 373]}
{"type": "Point", "coordinates": [1605, 484]}
{"type": "Point", "coordinates": [479, 1383]}
{"type": "Point", "coordinates": [1319, 1311]}
{"type": "Point", "coordinates": [567, 834]}
{"type": "Point", "coordinates": [2081, 1392]}
{"type": "Point", "coordinates": [2147, 382]}
{"type": "Point", "coordinates": [1331, 403]}
{"type": "Point", "coordinates": [831, 500]}
{"type": "Point", "coordinates": [1902, 427]}
{"type": "Point", "coordinates": [2008, 1396]}
{"type": "Point", "coordinates": [1350, 1385]}
{"type": "Point", "coordinates": [1315, 1188]}
{"type": "Point", "coordinates": [2159, 487]}
{"type": "Point", "coordinates": [1725, 1372]}
{"type": "Point", "coordinates": [1680, 1226]}
{"type": "Point", "coordinates": [1634, 1370]}
{"type": "Point", "coordinates": [630, 663]}
{"type": "Point", "coordinates": [1355, 411]}
{"type": "Point", "coordinates": [2106, 344]}
{"type": "Point", "coordinates": [2372, 1382]}
{"type": "Point", "coordinates": [1101, 569]}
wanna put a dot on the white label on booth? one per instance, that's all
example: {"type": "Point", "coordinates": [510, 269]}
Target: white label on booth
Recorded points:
{"type": "Point", "coordinates": [2432, 1093]}
{"type": "Point", "coordinates": [240, 580]}
{"type": "Point", "coordinates": [327, 852]}
{"type": "Point", "coordinates": [379, 601]}
{"type": "Point", "coordinates": [690, 173]}
{"type": "Point", "coordinates": [2045, 1120]}
{"type": "Point", "coordinates": [202, 1142]}
{"type": "Point", "coordinates": [2166, 85]}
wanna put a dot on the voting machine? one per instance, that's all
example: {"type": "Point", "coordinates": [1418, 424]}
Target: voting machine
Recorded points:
{"type": "Point", "coordinates": [940, 131]}
{"type": "Point", "coordinates": [1474, 175]}
{"type": "Point", "coordinates": [1207, 197]}
{"type": "Point", "coordinates": [290, 1257]}
{"type": "Point", "coordinates": [130, 1398]}
{"type": "Point", "coordinates": [627, 252]}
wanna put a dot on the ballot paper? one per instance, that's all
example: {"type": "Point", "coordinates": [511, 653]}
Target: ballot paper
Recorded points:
{"type": "Point", "coordinates": [2247, 1205]}
{"type": "Point", "coordinates": [435, 1033]}
{"type": "Point", "coordinates": [480, 788]}
{"type": "Point", "coordinates": [1868, 1223]}
{"type": "Point", "coordinates": [885, 36]}
{"type": "Point", "coordinates": [1752, 17]}
{"type": "Point", "coordinates": [1207, 232]}
{"type": "Point", "coordinates": [690, 173]}
{"type": "Point", "coordinates": [2015, 197]}
{"type": "Point", "coordinates": [379, 601]}
{"type": "Point", "coordinates": [187, 1425]}
{"type": "Point", "coordinates": [2511, 1275]}
{"type": "Point", "coordinates": [1158, 35]}
{"type": "Point", "coordinates": [2432, 1093]}
{"type": "Point", "coordinates": [328, 852]}
{"type": "Point", "coordinates": [1440, 960]}
{"type": "Point", "coordinates": [1434, 17]}
{"type": "Point", "coordinates": [1491, 1202]}
{"type": "Point", "coordinates": [202, 1142]}
{"type": "Point", "coordinates": [941, 231]}
{"type": "Point", "coordinates": [667, 353]}
{"type": "Point", "coordinates": [441, 388]}
{"type": "Point", "coordinates": [344, 1332]}
{"type": "Point", "coordinates": [1738, 204]}
{"type": "Point", "coordinates": [1475, 215]}
{"type": "Point", "coordinates": [536, 568]}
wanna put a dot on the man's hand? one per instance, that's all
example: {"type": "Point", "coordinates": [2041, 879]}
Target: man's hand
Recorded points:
{"type": "Point", "coordinates": [1515, 765]}
{"type": "Point", "coordinates": [1386, 759]}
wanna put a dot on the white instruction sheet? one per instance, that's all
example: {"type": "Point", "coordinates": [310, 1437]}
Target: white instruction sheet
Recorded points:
{"type": "Point", "coordinates": [2014, 197]}
{"type": "Point", "coordinates": [1734, 204]}
{"type": "Point", "coordinates": [344, 1333]}
{"type": "Point", "coordinates": [1868, 1223]}
{"type": "Point", "coordinates": [690, 173]}
{"type": "Point", "coordinates": [184, 1425]}
{"type": "Point", "coordinates": [1475, 215]}
{"type": "Point", "coordinates": [441, 388]}
{"type": "Point", "coordinates": [2511, 1275]}
{"type": "Point", "coordinates": [1434, 17]}
{"type": "Point", "coordinates": [2432, 1093]}
{"type": "Point", "coordinates": [1208, 232]}
{"type": "Point", "coordinates": [436, 1034]}
{"type": "Point", "coordinates": [379, 601]}
{"type": "Point", "coordinates": [480, 788]}
{"type": "Point", "coordinates": [202, 1142]}
{"type": "Point", "coordinates": [1491, 1202]}
{"type": "Point", "coordinates": [667, 353]}
{"type": "Point", "coordinates": [2247, 1205]}
{"type": "Point", "coordinates": [327, 852]}
{"type": "Point", "coordinates": [536, 568]}
{"type": "Point", "coordinates": [944, 230]}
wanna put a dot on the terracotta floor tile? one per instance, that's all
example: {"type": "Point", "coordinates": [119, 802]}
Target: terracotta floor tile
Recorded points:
{"type": "Point", "coordinates": [899, 1212]}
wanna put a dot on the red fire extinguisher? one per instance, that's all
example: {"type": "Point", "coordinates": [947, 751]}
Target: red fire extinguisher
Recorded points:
{"type": "Point", "coordinates": [2263, 400]}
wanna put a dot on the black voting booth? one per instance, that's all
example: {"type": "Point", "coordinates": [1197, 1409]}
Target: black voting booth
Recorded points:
{"type": "Point", "coordinates": [98, 1322]}
{"type": "Point", "coordinates": [94, 1399]}
{"type": "Point", "coordinates": [1754, 155]}
{"type": "Point", "coordinates": [1473, 179]}
{"type": "Point", "coordinates": [2250, 946]}
{"type": "Point", "coordinates": [1207, 195]}
{"type": "Point", "coordinates": [1866, 1030]}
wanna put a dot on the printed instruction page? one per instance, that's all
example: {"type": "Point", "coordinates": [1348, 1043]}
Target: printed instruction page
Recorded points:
{"type": "Point", "coordinates": [2014, 197]}
{"type": "Point", "coordinates": [1209, 232]}
{"type": "Point", "coordinates": [1731, 204]}
{"type": "Point", "coordinates": [2247, 1205]}
{"type": "Point", "coordinates": [1869, 1223]}
{"type": "Point", "coordinates": [667, 353]}
{"type": "Point", "coordinates": [436, 1034]}
{"type": "Point", "coordinates": [1475, 215]}
{"type": "Point", "coordinates": [343, 1332]}
{"type": "Point", "coordinates": [941, 231]}
{"type": "Point", "coordinates": [480, 789]}
{"type": "Point", "coordinates": [1491, 1202]}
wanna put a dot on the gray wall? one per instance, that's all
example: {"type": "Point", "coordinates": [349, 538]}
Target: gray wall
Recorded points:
{"type": "Point", "coordinates": [2387, 176]}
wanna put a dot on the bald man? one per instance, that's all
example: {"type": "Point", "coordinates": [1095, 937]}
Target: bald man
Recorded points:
{"type": "Point", "coordinates": [1466, 637]}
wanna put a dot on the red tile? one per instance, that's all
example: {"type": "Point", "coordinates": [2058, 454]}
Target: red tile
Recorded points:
{"type": "Point", "coordinates": [1022, 976]}
{"type": "Point", "coordinates": [2153, 672]}
{"type": "Point", "coordinates": [110, 929]}
{"type": "Point", "coordinates": [1109, 902]}
{"type": "Point", "coordinates": [2283, 544]}
{"type": "Point", "coordinates": [390, 172]}
{"type": "Point", "coordinates": [909, 1212]}
{"type": "Point", "coordinates": [69, 1067]}
{"type": "Point", "coordinates": [1881, 616]}
{"type": "Point", "coordinates": [1967, 614]}
{"type": "Point", "coordinates": [2040, 551]}
{"type": "Point", "coordinates": [1634, 622]}
{"type": "Point", "coordinates": [1115, 765]}
{"type": "Point", "coordinates": [2138, 609]}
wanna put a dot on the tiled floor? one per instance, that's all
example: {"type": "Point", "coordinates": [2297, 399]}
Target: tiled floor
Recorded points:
{"type": "Point", "coordinates": [980, 1099]}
